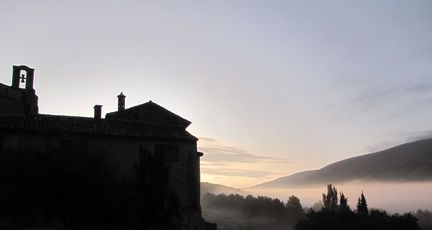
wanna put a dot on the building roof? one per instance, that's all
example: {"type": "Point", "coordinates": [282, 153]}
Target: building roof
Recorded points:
{"type": "Point", "coordinates": [90, 126]}
{"type": "Point", "coordinates": [149, 112]}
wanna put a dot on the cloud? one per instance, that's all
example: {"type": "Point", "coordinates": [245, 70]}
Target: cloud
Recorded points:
{"type": "Point", "coordinates": [216, 151]}
{"type": "Point", "coordinates": [391, 100]}
{"type": "Point", "coordinates": [372, 99]}
{"type": "Point", "coordinates": [380, 146]}
{"type": "Point", "coordinates": [402, 96]}
{"type": "Point", "coordinates": [224, 160]}
{"type": "Point", "coordinates": [419, 89]}
{"type": "Point", "coordinates": [403, 137]}
{"type": "Point", "coordinates": [419, 135]}
{"type": "Point", "coordinates": [212, 164]}
{"type": "Point", "coordinates": [237, 172]}
{"type": "Point", "coordinates": [207, 139]}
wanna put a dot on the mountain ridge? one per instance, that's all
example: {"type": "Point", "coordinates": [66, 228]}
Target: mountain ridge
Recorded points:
{"type": "Point", "coordinates": [403, 163]}
{"type": "Point", "coordinates": [207, 187]}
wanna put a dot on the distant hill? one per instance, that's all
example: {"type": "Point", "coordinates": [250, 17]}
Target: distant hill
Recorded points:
{"type": "Point", "coordinates": [219, 189]}
{"type": "Point", "coordinates": [407, 162]}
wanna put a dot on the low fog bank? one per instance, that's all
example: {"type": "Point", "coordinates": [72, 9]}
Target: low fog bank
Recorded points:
{"type": "Point", "coordinates": [393, 197]}
{"type": "Point", "coordinates": [235, 221]}
{"type": "Point", "coordinates": [237, 212]}
{"type": "Point", "coordinates": [403, 204]}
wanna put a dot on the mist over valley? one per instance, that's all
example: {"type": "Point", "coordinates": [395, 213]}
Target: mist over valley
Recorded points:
{"type": "Point", "coordinates": [397, 179]}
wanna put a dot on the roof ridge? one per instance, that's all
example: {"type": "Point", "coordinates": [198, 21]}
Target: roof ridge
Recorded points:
{"type": "Point", "coordinates": [86, 125]}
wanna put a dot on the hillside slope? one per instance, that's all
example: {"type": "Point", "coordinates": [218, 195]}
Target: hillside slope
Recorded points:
{"type": "Point", "coordinates": [407, 162]}
{"type": "Point", "coordinates": [219, 189]}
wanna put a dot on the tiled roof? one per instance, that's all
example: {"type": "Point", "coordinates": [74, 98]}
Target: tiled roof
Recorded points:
{"type": "Point", "coordinates": [89, 126]}
{"type": "Point", "coordinates": [151, 112]}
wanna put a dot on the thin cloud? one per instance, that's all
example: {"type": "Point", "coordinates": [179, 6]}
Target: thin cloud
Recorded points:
{"type": "Point", "coordinates": [419, 135]}
{"type": "Point", "coordinates": [403, 138]}
{"type": "Point", "coordinates": [419, 89]}
{"type": "Point", "coordinates": [372, 99]}
{"type": "Point", "coordinates": [223, 160]}
{"type": "Point", "coordinates": [408, 96]}
{"type": "Point", "coordinates": [237, 172]}
{"type": "Point", "coordinates": [380, 146]}
{"type": "Point", "coordinates": [207, 139]}
{"type": "Point", "coordinates": [212, 164]}
{"type": "Point", "coordinates": [215, 151]}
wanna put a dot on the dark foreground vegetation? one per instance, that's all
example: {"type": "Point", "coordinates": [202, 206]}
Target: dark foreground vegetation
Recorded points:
{"type": "Point", "coordinates": [424, 218]}
{"type": "Point", "coordinates": [237, 212]}
{"type": "Point", "coordinates": [336, 214]}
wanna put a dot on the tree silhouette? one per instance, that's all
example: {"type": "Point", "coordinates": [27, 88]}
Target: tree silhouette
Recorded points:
{"type": "Point", "coordinates": [424, 219]}
{"type": "Point", "coordinates": [376, 219]}
{"type": "Point", "coordinates": [362, 207]}
{"type": "Point", "coordinates": [238, 212]}
{"type": "Point", "coordinates": [343, 203]}
{"type": "Point", "coordinates": [330, 199]}
{"type": "Point", "coordinates": [294, 207]}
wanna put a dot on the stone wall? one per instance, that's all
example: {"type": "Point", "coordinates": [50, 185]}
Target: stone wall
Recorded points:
{"type": "Point", "coordinates": [17, 101]}
{"type": "Point", "coordinates": [123, 155]}
{"type": "Point", "coordinates": [10, 101]}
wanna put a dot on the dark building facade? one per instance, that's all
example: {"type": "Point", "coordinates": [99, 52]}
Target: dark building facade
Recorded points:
{"type": "Point", "coordinates": [125, 138]}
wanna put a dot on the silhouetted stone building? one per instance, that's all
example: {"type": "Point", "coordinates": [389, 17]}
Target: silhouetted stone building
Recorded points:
{"type": "Point", "coordinates": [20, 98]}
{"type": "Point", "coordinates": [124, 137]}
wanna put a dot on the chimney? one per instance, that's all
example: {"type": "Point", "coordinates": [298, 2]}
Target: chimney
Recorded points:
{"type": "Point", "coordinates": [121, 102]}
{"type": "Point", "coordinates": [97, 111]}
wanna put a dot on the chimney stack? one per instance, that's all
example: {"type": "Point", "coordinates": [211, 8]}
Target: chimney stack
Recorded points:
{"type": "Point", "coordinates": [97, 111]}
{"type": "Point", "coordinates": [121, 102]}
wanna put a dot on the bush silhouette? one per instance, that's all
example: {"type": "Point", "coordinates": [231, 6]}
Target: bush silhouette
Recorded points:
{"type": "Point", "coordinates": [253, 212]}
{"type": "Point", "coordinates": [342, 217]}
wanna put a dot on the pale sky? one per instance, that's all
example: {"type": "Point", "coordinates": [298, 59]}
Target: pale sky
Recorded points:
{"type": "Point", "coordinates": [271, 87]}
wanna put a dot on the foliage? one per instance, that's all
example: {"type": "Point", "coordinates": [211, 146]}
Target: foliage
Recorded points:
{"type": "Point", "coordinates": [424, 219]}
{"type": "Point", "coordinates": [326, 219]}
{"type": "Point", "coordinates": [343, 203]}
{"type": "Point", "coordinates": [317, 206]}
{"type": "Point", "coordinates": [362, 207]}
{"type": "Point", "coordinates": [330, 199]}
{"type": "Point", "coordinates": [343, 217]}
{"type": "Point", "coordinates": [294, 207]}
{"type": "Point", "coordinates": [261, 212]}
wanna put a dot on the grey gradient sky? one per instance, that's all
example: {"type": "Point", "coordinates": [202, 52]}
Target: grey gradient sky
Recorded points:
{"type": "Point", "coordinates": [303, 82]}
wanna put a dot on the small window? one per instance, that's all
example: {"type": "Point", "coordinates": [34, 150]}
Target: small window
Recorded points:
{"type": "Point", "coordinates": [22, 79]}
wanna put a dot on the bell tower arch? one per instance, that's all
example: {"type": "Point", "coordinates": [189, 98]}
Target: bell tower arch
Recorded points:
{"type": "Point", "coordinates": [22, 77]}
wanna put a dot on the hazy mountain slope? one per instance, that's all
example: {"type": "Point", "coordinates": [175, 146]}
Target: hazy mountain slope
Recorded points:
{"type": "Point", "coordinates": [219, 189]}
{"type": "Point", "coordinates": [407, 162]}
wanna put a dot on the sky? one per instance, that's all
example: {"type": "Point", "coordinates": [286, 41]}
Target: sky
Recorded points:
{"type": "Point", "coordinates": [271, 87]}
